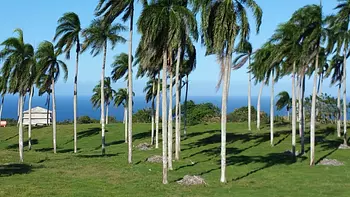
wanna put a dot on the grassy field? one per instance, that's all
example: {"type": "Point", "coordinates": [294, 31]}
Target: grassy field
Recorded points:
{"type": "Point", "coordinates": [254, 167]}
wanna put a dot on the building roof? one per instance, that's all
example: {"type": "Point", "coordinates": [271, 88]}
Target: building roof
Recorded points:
{"type": "Point", "coordinates": [38, 110]}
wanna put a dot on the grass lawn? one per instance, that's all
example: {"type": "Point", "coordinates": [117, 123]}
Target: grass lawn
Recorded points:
{"type": "Point", "coordinates": [254, 168]}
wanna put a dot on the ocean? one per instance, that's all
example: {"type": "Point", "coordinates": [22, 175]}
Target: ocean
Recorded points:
{"type": "Point", "coordinates": [64, 105]}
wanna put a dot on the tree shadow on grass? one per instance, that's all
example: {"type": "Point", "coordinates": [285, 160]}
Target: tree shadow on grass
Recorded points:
{"type": "Point", "coordinates": [25, 143]}
{"type": "Point", "coordinates": [59, 150]}
{"type": "Point", "coordinates": [144, 135]}
{"type": "Point", "coordinates": [87, 133]}
{"type": "Point", "coordinates": [281, 140]}
{"type": "Point", "coordinates": [7, 139]}
{"type": "Point", "coordinates": [111, 143]}
{"type": "Point", "coordinates": [12, 169]}
{"type": "Point", "coordinates": [97, 156]}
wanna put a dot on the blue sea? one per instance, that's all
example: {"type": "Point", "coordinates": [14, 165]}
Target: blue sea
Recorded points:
{"type": "Point", "coordinates": [64, 105]}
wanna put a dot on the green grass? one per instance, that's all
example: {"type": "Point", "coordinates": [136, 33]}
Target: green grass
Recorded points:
{"type": "Point", "coordinates": [254, 167]}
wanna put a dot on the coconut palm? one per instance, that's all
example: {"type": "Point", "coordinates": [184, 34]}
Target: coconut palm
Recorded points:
{"type": "Point", "coordinates": [49, 64]}
{"type": "Point", "coordinates": [17, 57]}
{"type": "Point", "coordinates": [151, 94]}
{"type": "Point", "coordinates": [97, 36]}
{"type": "Point", "coordinates": [121, 98]}
{"type": "Point", "coordinates": [245, 51]}
{"type": "Point", "coordinates": [284, 101]}
{"type": "Point", "coordinates": [222, 22]}
{"type": "Point", "coordinates": [31, 81]}
{"type": "Point", "coordinates": [67, 36]}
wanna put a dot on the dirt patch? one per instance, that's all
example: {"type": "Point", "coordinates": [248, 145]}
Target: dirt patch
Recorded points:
{"type": "Point", "coordinates": [331, 162]}
{"type": "Point", "coordinates": [143, 146]}
{"type": "Point", "coordinates": [155, 159]}
{"type": "Point", "coordinates": [192, 180]}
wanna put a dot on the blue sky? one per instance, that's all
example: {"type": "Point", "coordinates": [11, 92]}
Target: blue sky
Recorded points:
{"type": "Point", "coordinates": [38, 19]}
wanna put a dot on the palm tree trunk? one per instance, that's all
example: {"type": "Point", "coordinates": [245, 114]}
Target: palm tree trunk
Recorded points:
{"type": "Point", "coordinates": [170, 119]}
{"type": "Point", "coordinates": [302, 113]}
{"type": "Point", "coordinates": [339, 112]}
{"type": "Point", "coordinates": [299, 91]}
{"type": "Point", "coordinates": [344, 99]}
{"type": "Point", "coordinates": [107, 108]}
{"type": "Point", "coordinates": [20, 129]}
{"type": "Point", "coordinates": [258, 106]}
{"type": "Point", "coordinates": [18, 109]}
{"type": "Point", "coordinates": [48, 110]}
{"type": "Point", "coordinates": [180, 114]}
{"type": "Point", "coordinates": [30, 118]}
{"type": "Point", "coordinates": [185, 106]}
{"type": "Point", "coordinates": [53, 114]}
{"type": "Point", "coordinates": [313, 116]}
{"type": "Point", "coordinates": [249, 98]}
{"type": "Point", "coordinates": [130, 88]}
{"type": "Point", "coordinates": [225, 90]}
{"type": "Point", "coordinates": [272, 108]}
{"type": "Point", "coordinates": [2, 105]}
{"type": "Point", "coordinates": [293, 112]}
{"type": "Point", "coordinates": [157, 111]}
{"type": "Point", "coordinates": [75, 97]}
{"type": "Point", "coordinates": [152, 117]}
{"type": "Point", "coordinates": [103, 97]}
{"type": "Point", "coordinates": [126, 124]}
{"type": "Point", "coordinates": [177, 106]}
{"type": "Point", "coordinates": [164, 119]}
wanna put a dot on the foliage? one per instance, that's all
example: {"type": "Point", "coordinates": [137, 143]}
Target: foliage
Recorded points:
{"type": "Point", "coordinates": [199, 113]}
{"type": "Point", "coordinates": [86, 120]}
{"type": "Point", "coordinates": [241, 115]}
{"type": "Point", "coordinates": [326, 106]}
{"type": "Point", "coordinates": [142, 116]}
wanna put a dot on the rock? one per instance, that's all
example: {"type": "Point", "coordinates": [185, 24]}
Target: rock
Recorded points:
{"type": "Point", "coordinates": [343, 146]}
{"type": "Point", "coordinates": [155, 159]}
{"type": "Point", "coordinates": [143, 146]}
{"type": "Point", "coordinates": [192, 180]}
{"type": "Point", "coordinates": [330, 162]}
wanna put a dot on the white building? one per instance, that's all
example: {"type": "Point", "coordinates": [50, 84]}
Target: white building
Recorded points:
{"type": "Point", "coordinates": [39, 116]}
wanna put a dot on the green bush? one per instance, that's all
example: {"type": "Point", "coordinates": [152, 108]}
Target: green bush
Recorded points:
{"type": "Point", "coordinates": [241, 115]}
{"type": "Point", "coordinates": [198, 113]}
{"type": "Point", "coordinates": [85, 120]}
{"type": "Point", "coordinates": [142, 116]}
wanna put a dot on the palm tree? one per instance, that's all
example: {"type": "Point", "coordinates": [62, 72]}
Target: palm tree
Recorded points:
{"type": "Point", "coordinates": [245, 52]}
{"type": "Point", "coordinates": [151, 94]}
{"type": "Point", "coordinates": [222, 22]}
{"type": "Point", "coordinates": [49, 64]}
{"type": "Point", "coordinates": [284, 101]}
{"type": "Point", "coordinates": [121, 98]}
{"type": "Point", "coordinates": [32, 79]}
{"type": "Point", "coordinates": [110, 10]}
{"type": "Point", "coordinates": [18, 58]}
{"type": "Point", "coordinates": [68, 34]}
{"type": "Point", "coordinates": [340, 26]}
{"type": "Point", "coordinates": [97, 36]}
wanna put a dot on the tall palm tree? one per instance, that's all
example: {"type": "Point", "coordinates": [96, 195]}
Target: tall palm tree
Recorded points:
{"type": "Point", "coordinates": [151, 94]}
{"type": "Point", "coordinates": [222, 22]}
{"type": "Point", "coordinates": [110, 10]}
{"type": "Point", "coordinates": [31, 81]}
{"type": "Point", "coordinates": [174, 17]}
{"type": "Point", "coordinates": [284, 101]}
{"type": "Point", "coordinates": [49, 64]}
{"type": "Point", "coordinates": [18, 58]}
{"type": "Point", "coordinates": [68, 34]}
{"type": "Point", "coordinates": [97, 36]}
{"type": "Point", "coordinates": [340, 26]}
{"type": "Point", "coordinates": [245, 51]}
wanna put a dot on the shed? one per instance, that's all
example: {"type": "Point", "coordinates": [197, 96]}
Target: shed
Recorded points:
{"type": "Point", "coordinates": [40, 116]}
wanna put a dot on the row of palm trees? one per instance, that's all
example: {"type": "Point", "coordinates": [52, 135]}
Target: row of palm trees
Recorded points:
{"type": "Point", "coordinates": [299, 47]}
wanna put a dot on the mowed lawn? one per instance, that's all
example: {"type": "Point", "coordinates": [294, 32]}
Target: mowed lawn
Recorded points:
{"type": "Point", "coordinates": [254, 168]}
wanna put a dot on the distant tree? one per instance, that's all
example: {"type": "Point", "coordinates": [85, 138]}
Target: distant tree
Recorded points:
{"type": "Point", "coordinates": [284, 101]}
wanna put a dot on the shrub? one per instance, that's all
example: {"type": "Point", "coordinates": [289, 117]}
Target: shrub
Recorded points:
{"type": "Point", "coordinates": [198, 113]}
{"type": "Point", "coordinates": [142, 116]}
{"type": "Point", "coordinates": [241, 115]}
{"type": "Point", "coordinates": [84, 120]}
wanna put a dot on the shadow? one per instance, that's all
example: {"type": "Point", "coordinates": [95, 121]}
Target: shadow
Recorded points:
{"type": "Point", "coordinates": [191, 165]}
{"type": "Point", "coordinates": [11, 137]}
{"type": "Point", "coordinates": [67, 150]}
{"type": "Point", "coordinates": [97, 156]}
{"type": "Point", "coordinates": [88, 133]}
{"type": "Point", "coordinates": [144, 135]}
{"type": "Point", "coordinates": [43, 149]}
{"type": "Point", "coordinates": [281, 140]}
{"type": "Point", "coordinates": [281, 124]}
{"type": "Point", "coordinates": [25, 143]}
{"type": "Point", "coordinates": [111, 143]}
{"type": "Point", "coordinates": [12, 169]}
